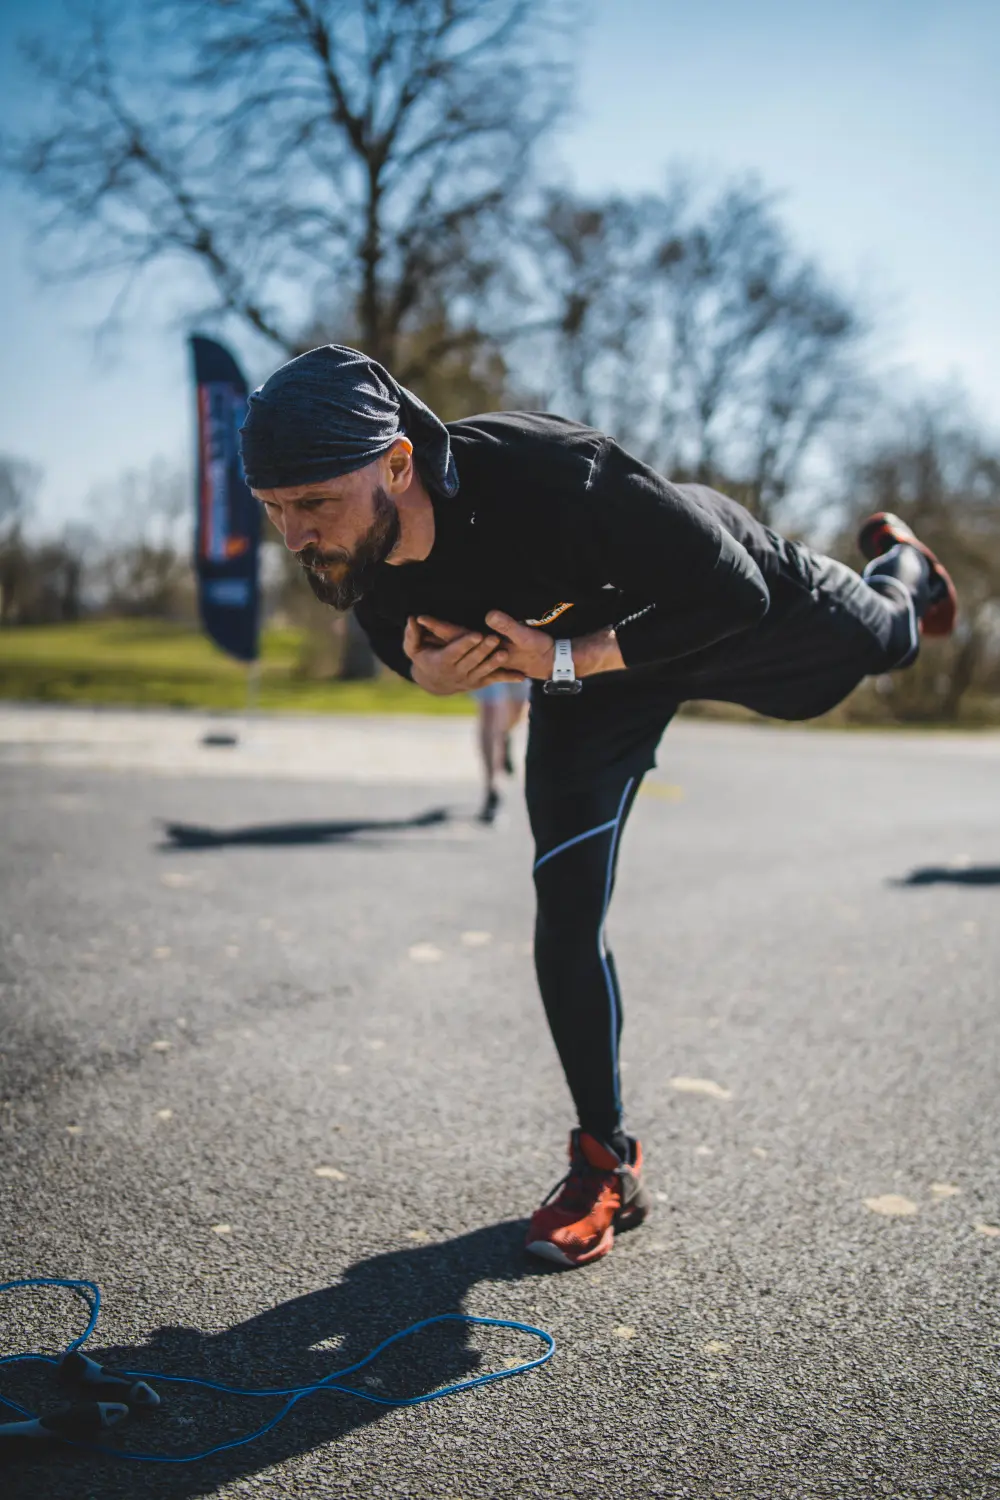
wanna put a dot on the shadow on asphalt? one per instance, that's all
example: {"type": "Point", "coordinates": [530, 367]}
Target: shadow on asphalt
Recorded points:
{"type": "Point", "coordinates": [952, 875]}
{"type": "Point", "coordinates": [373, 1299]}
{"type": "Point", "coordinates": [282, 835]}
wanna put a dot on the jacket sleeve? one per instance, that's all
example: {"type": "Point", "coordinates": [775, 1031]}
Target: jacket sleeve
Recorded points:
{"type": "Point", "coordinates": [385, 638]}
{"type": "Point", "coordinates": [697, 584]}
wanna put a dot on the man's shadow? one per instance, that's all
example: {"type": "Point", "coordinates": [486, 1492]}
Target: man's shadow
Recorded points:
{"type": "Point", "coordinates": [952, 875]}
{"type": "Point", "coordinates": [197, 836]}
{"type": "Point", "coordinates": [279, 1348]}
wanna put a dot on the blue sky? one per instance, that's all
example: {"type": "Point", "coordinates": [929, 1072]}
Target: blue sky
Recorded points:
{"type": "Point", "coordinates": [878, 122]}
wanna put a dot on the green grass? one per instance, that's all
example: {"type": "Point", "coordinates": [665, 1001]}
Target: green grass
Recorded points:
{"type": "Point", "coordinates": [150, 662]}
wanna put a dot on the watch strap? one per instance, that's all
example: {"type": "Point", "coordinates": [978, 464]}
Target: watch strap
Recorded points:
{"type": "Point", "coordinates": [563, 669]}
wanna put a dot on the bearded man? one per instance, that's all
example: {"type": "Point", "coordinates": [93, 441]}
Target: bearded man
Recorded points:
{"type": "Point", "coordinates": [521, 545]}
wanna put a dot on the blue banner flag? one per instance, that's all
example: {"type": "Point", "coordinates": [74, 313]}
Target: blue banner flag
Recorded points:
{"type": "Point", "coordinates": [227, 531]}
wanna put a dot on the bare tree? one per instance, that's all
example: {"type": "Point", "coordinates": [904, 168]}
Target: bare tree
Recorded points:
{"type": "Point", "coordinates": [356, 161]}
{"type": "Point", "coordinates": [51, 582]}
{"type": "Point", "coordinates": [586, 267]}
{"type": "Point", "coordinates": [935, 467]}
{"type": "Point", "coordinates": [141, 563]}
{"type": "Point", "coordinates": [697, 333]}
{"type": "Point", "coordinates": [19, 481]}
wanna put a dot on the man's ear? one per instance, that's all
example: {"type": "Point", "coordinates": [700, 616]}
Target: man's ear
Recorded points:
{"type": "Point", "coordinates": [399, 466]}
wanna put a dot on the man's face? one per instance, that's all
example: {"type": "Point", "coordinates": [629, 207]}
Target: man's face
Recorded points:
{"type": "Point", "coordinates": [340, 530]}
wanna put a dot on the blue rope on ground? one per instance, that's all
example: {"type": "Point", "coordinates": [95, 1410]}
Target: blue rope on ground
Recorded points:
{"type": "Point", "coordinates": [90, 1292]}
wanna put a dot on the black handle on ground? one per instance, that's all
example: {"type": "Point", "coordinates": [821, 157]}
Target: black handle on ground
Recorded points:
{"type": "Point", "coordinates": [78, 1369]}
{"type": "Point", "coordinates": [81, 1423]}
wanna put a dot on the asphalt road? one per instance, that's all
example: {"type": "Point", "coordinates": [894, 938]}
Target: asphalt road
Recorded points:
{"type": "Point", "coordinates": [313, 974]}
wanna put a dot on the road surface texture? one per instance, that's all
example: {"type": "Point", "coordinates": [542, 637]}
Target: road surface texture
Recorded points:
{"type": "Point", "coordinates": [276, 1076]}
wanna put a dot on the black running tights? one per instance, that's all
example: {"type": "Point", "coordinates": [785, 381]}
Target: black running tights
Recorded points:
{"type": "Point", "coordinates": [587, 756]}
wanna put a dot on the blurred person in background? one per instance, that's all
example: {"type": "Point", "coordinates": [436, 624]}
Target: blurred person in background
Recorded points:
{"type": "Point", "coordinates": [520, 545]}
{"type": "Point", "coordinates": [500, 707]}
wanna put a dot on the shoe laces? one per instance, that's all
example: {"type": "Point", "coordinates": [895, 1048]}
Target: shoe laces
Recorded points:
{"type": "Point", "coordinates": [580, 1186]}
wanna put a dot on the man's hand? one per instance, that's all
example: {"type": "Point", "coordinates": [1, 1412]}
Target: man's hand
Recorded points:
{"type": "Point", "coordinates": [450, 659]}
{"type": "Point", "coordinates": [531, 651]}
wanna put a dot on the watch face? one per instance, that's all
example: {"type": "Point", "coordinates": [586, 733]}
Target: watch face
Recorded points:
{"type": "Point", "coordinates": [565, 689]}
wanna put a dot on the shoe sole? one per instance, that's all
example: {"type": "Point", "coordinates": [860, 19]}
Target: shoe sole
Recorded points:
{"type": "Point", "coordinates": [546, 1250]}
{"type": "Point", "coordinates": [939, 621]}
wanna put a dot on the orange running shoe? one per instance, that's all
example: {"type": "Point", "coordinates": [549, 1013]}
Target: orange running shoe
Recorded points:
{"type": "Point", "coordinates": [883, 531]}
{"type": "Point", "coordinates": [599, 1194]}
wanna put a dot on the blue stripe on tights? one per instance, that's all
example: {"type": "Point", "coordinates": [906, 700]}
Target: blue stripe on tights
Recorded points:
{"type": "Point", "coordinates": [615, 825]}
{"type": "Point", "coordinates": [602, 950]}
{"type": "Point", "coordinates": [578, 839]}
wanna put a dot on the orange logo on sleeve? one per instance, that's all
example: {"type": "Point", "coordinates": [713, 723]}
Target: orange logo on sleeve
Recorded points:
{"type": "Point", "coordinates": [550, 615]}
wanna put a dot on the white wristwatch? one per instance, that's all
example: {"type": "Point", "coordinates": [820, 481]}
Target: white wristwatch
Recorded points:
{"type": "Point", "coordinates": [564, 678]}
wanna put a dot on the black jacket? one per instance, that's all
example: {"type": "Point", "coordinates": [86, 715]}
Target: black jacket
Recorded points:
{"type": "Point", "coordinates": [558, 526]}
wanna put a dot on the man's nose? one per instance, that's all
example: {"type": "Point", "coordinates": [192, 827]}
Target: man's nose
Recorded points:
{"type": "Point", "coordinates": [299, 534]}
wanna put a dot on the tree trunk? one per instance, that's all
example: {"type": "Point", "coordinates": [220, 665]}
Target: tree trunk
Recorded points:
{"type": "Point", "coordinates": [370, 311]}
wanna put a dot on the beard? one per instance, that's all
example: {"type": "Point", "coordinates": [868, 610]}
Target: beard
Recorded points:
{"type": "Point", "coordinates": [357, 568]}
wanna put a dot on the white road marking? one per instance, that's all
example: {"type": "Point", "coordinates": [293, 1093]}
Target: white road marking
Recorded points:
{"type": "Point", "coordinates": [892, 1205]}
{"type": "Point", "coordinates": [706, 1086]}
{"type": "Point", "coordinates": [425, 953]}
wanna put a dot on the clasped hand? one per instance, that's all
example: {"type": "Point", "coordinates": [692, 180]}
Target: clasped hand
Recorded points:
{"type": "Point", "coordinates": [450, 659]}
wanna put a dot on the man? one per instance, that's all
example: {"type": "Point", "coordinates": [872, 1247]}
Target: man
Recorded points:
{"type": "Point", "coordinates": [522, 546]}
